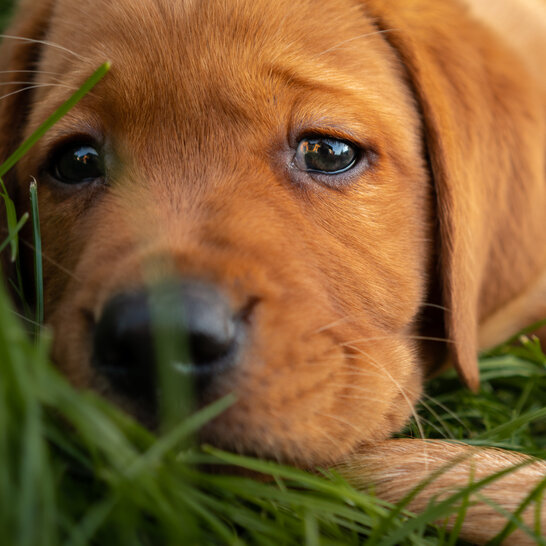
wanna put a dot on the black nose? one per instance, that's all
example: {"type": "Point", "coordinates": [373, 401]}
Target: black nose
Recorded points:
{"type": "Point", "coordinates": [188, 326]}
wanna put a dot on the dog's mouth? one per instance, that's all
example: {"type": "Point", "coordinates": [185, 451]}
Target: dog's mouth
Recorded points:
{"type": "Point", "coordinates": [303, 392]}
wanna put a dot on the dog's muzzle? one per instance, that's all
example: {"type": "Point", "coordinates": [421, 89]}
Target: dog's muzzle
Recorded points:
{"type": "Point", "coordinates": [187, 325]}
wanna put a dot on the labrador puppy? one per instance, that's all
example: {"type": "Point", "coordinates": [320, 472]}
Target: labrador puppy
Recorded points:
{"type": "Point", "coordinates": [310, 194]}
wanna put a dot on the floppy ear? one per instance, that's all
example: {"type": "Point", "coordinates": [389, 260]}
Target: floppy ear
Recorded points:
{"type": "Point", "coordinates": [20, 52]}
{"type": "Point", "coordinates": [19, 55]}
{"type": "Point", "coordinates": [484, 131]}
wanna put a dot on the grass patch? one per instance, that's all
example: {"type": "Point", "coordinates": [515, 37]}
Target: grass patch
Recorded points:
{"type": "Point", "coordinates": [75, 470]}
{"type": "Point", "coordinates": [510, 410]}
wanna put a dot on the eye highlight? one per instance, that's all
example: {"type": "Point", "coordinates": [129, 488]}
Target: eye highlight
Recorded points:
{"type": "Point", "coordinates": [76, 163]}
{"type": "Point", "coordinates": [325, 155]}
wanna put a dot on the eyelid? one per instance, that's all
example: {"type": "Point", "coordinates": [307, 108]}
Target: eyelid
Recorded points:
{"type": "Point", "coordinates": [326, 130]}
{"type": "Point", "coordinates": [74, 138]}
{"type": "Point", "coordinates": [86, 130]}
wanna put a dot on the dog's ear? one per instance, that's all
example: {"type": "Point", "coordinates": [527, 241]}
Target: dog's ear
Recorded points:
{"type": "Point", "coordinates": [20, 51]}
{"type": "Point", "coordinates": [484, 134]}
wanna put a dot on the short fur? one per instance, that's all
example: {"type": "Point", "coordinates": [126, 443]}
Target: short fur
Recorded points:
{"type": "Point", "coordinates": [199, 117]}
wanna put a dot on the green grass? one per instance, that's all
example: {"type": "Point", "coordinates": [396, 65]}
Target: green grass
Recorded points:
{"type": "Point", "coordinates": [74, 470]}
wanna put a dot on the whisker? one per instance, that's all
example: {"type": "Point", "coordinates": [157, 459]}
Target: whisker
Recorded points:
{"type": "Point", "coordinates": [53, 262]}
{"type": "Point", "coordinates": [19, 91]}
{"type": "Point", "coordinates": [409, 336]}
{"type": "Point", "coordinates": [450, 412]}
{"type": "Point", "coordinates": [339, 419]}
{"type": "Point", "coordinates": [322, 432]}
{"type": "Point", "coordinates": [347, 368]}
{"type": "Point", "coordinates": [363, 372]}
{"type": "Point", "coordinates": [353, 387]}
{"type": "Point", "coordinates": [375, 338]}
{"type": "Point", "coordinates": [402, 391]}
{"type": "Point", "coordinates": [24, 318]}
{"type": "Point", "coordinates": [433, 426]}
{"type": "Point", "coordinates": [358, 388]}
{"type": "Point", "coordinates": [26, 83]}
{"type": "Point", "coordinates": [436, 306]}
{"type": "Point", "coordinates": [443, 431]}
{"type": "Point", "coordinates": [315, 428]}
{"type": "Point", "coordinates": [355, 317]}
{"type": "Point", "coordinates": [42, 42]}
{"type": "Point", "coordinates": [36, 86]}
{"type": "Point", "coordinates": [330, 325]}
{"type": "Point", "coordinates": [360, 398]}
{"type": "Point", "coordinates": [352, 370]}
{"type": "Point", "coordinates": [365, 35]}
{"type": "Point", "coordinates": [31, 71]}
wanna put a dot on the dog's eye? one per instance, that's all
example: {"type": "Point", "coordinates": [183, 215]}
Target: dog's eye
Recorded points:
{"type": "Point", "coordinates": [77, 163]}
{"type": "Point", "coordinates": [325, 155]}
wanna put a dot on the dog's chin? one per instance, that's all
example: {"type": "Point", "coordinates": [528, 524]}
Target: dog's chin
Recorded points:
{"type": "Point", "coordinates": [306, 444]}
{"type": "Point", "coordinates": [301, 440]}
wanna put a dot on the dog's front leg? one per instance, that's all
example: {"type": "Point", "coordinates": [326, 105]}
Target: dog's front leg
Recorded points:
{"type": "Point", "coordinates": [395, 468]}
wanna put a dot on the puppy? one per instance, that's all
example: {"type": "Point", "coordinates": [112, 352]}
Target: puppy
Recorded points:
{"type": "Point", "coordinates": [307, 194]}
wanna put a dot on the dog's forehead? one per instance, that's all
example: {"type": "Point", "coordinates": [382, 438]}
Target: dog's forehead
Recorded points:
{"type": "Point", "coordinates": [162, 31]}
{"type": "Point", "coordinates": [169, 54]}
{"type": "Point", "coordinates": [207, 24]}
{"type": "Point", "coordinates": [219, 77]}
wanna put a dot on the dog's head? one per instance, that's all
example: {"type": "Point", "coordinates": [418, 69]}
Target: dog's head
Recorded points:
{"type": "Point", "coordinates": [297, 187]}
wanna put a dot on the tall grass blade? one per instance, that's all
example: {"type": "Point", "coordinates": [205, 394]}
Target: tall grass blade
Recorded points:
{"type": "Point", "coordinates": [38, 272]}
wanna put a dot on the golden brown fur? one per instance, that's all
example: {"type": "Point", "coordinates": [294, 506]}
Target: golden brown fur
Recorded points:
{"type": "Point", "coordinates": [199, 116]}
{"type": "Point", "coordinates": [395, 467]}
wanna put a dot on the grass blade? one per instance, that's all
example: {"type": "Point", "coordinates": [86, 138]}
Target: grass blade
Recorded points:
{"type": "Point", "coordinates": [38, 273]}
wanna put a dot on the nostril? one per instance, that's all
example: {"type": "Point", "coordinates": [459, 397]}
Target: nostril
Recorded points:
{"type": "Point", "coordinates": [212, 330]}
{"type": "Point", "coordinates": [205, 348]}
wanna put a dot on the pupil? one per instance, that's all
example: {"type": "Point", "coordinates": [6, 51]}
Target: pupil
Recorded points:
{"type": "Point", "coordinates": [78, 164]}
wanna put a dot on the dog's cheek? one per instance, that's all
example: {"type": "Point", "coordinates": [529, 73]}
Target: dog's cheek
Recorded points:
{"type": "Point", "coordinates": [310, 398]}
{"type": "Point", "coordinates": [81, 245]}
{"type": "Point", "coordinates": [375, 243]}
{"type": "Point", "coordinates": [323, 422]}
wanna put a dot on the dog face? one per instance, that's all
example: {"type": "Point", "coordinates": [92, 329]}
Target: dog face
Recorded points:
{"type": "Point", "coordinates": [263, 167]}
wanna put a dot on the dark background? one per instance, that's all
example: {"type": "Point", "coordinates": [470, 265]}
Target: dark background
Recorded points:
{"type": "Point", "coordinates": [5, 11]}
